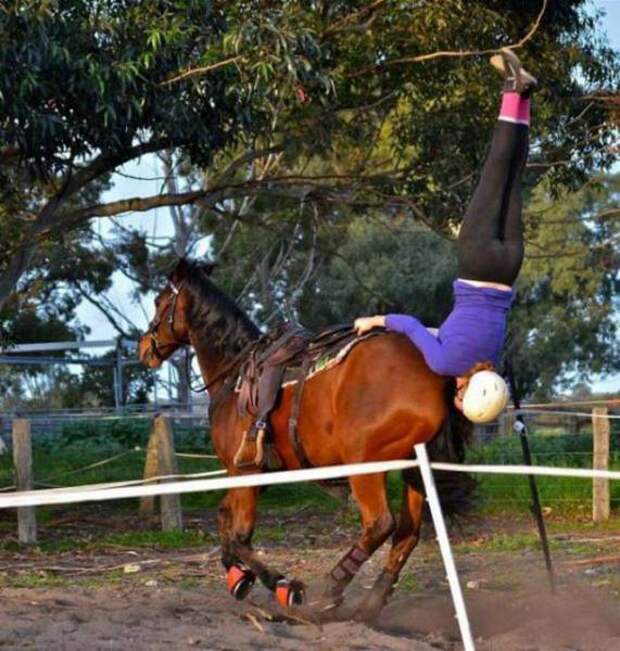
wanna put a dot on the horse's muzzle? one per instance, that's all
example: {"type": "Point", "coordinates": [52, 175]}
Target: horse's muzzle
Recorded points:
{"type": "Point", "coordinates": [145, 352]}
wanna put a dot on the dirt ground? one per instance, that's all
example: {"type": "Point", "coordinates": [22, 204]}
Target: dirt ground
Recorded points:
{"type": "Point", "coordinates": [106, 595]}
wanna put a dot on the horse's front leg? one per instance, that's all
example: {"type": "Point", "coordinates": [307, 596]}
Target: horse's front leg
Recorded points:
{"type": "Point", "coordinates": [236, 520]}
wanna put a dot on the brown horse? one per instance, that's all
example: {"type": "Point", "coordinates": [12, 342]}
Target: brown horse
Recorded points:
{"type": "Point", "coordinates": [373, 406]}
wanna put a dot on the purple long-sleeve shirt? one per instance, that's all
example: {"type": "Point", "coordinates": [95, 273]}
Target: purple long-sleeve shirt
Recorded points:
{"type": "Point", "coordinates": [473, 332]}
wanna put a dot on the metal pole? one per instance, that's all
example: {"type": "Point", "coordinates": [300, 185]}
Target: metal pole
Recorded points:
{"type": "Point", "coordinates": [521, 428]}
{"type": "Point", "coordinates": [117, 401]}
{"type": "Point", "coordinates": [188, 375]}
{"type": "Point", "coordinates": [119, 371]}
{"type": "Point", "coordinates": [445, 548]}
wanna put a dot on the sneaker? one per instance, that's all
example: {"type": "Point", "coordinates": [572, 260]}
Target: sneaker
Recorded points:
{"type": "Point", "coordinates": [517, 78]}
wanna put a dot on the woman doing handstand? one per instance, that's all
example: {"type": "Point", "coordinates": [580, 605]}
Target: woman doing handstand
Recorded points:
{"type": "Point", "coordinates": [490, 253]}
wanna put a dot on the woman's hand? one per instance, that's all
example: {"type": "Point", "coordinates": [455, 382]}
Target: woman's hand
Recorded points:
{"type": "Point", "coordinates": [366, 323]}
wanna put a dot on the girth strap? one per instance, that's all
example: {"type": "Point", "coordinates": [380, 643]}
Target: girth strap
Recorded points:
{"type": "Point", "coordinates": [293, 432]}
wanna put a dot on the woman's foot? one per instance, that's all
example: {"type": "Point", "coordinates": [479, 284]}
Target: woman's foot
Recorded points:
{"type": "Point", "coordinates": [517, 78]}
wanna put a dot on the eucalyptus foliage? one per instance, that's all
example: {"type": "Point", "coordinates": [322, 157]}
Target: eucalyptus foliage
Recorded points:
{"type": "Point", "coordinates": [364, 89]}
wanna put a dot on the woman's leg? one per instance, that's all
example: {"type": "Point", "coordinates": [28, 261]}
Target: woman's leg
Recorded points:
{"type": "Point", "coordinates": [494, 213]}
{"type": "Point", "coordinates": [513, 248]}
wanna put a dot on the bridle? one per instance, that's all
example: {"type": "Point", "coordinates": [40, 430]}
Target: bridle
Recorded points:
{"type": "Point", "coordinates": [168, 313]}
{"type": "Point", "coordinates": [171, 307]}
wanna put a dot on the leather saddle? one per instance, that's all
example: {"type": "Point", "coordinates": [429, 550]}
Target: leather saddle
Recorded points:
{"type": "Point", "coordinates": [288, 352]}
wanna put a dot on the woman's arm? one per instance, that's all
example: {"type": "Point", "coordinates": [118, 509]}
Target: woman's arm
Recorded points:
{"type": "Point", "coordinates": [425, 342]}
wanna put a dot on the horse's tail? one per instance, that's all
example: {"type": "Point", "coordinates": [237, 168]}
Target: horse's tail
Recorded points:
{"type": "Point", "coordinates": [457, 490]}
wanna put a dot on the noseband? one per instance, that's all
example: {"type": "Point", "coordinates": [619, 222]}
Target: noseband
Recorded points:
{"type": "Point", "coordinates": [156, 322]}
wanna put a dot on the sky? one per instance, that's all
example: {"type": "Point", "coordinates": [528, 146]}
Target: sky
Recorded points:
{"type": "Point", "coordinates": [157, 222]}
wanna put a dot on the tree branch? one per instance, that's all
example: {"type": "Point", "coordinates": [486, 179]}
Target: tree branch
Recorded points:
{"type": "Point", "coordinates": [141, 204]}
{"type": "Point", "coordinates": [193, 72]}
{"type": "Point", "coordinates": [113, 322]}
{"type": "Point", "coordinates": [446, 54]}
{"type": "Point", "coordinates": [48, 216]}
{"type": "Point", "coordinates": [344, 24]}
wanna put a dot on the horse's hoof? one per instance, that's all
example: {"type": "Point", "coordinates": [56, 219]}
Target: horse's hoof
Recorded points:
{"type": "Point", "coordinates": [290, 593]}
{"type": "Point", "coordinates": [367, 615]}
{"type": "Point", "coordinates": [240, 581]}
{"type": "Point", "coordinates": [370, 609]}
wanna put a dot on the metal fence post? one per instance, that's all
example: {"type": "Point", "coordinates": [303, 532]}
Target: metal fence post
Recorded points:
{"type": "Point", "coordinates": [444, 546]}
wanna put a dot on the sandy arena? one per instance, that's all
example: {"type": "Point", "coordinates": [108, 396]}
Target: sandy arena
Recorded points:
{"type": "Point", "coordinates": [116, 596]}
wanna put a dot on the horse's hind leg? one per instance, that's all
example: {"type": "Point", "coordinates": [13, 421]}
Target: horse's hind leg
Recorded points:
{"type": "Point", "coordinates": [378, 523]}
{"type": "Point", "coordinates": [236, 520]}
{"type": "Point", "coordinates": [404, 541]}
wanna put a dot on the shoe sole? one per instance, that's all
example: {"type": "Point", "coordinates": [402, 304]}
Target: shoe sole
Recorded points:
{"type": "Point", "coordinates": [508, 58]}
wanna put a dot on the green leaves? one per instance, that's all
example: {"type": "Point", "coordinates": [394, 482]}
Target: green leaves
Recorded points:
{"type": "Point", "coordinates": [563, 327]}
{"type": "Point", "coordinates": [364, 125]}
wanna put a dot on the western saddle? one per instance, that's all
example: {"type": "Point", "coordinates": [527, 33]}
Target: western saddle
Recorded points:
{"type": "Point", "coordinates": [287, 353]}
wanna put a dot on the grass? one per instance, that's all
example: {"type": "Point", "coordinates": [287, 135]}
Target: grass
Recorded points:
{"type": "Point", "coordinates": [42, 579]}
{"type": "Point", "coordinates": [409, 582]}
{"type": "Point", "coordinates": [509, 493]}
{"type": "Point", "coordinates": [129, 540]}
{"type": "Point", "coordinates": [59, 454]}
{"type": "Point", "coordinates": [556, 528]}
{"type": "Point", "coordinates": [502, 543]}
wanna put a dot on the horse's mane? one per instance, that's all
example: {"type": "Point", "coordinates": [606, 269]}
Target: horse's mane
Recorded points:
{"type": "Point", "coordinates": [224, 324]}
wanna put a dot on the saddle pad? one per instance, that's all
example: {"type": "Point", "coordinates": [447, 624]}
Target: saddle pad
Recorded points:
{"type": "Point", "coordinates": [334, 358]}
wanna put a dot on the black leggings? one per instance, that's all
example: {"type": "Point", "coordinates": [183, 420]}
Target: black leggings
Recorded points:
{"type": "Point", "coordinates": [490, 244]}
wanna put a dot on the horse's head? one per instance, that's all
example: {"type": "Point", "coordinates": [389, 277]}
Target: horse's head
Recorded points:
{"type": "Point", "coordinates": [170, 326]}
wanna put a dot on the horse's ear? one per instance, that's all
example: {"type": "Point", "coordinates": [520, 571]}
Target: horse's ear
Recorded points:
{"type": "Point", "coordinates": [180, 271]}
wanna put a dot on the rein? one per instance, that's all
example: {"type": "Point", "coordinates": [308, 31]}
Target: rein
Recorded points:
{"type": "Point", "coordinates": [229, 367]}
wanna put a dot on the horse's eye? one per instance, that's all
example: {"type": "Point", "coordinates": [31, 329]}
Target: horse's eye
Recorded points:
{"type": "Point", "coordinates": [157, 301]}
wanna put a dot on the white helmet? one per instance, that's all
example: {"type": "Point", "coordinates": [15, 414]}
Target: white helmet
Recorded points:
{"type": "Point", "coordinates": [485, 397]}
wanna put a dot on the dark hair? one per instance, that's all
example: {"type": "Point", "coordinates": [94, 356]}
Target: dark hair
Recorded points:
{"type": "Point", "coordinates": [219, 318]}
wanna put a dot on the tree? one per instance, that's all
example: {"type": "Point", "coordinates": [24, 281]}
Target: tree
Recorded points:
{"type": "Point", "coordinates": [357, 100]}
{"type": "Point", "coordinates": [563, 327]}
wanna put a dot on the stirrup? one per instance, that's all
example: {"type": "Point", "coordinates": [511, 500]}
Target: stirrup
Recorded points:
{"type": "Point", "coordinates": [267, 456]}
{"type": "Point", "coordinates": [248, 451]}
{"type": "Point", "coordinates": [256, 451]}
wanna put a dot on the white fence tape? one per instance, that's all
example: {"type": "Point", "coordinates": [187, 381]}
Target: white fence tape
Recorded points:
{"type": "Point", "coordinates": [60, 496]}
{"type": "Point", "coordinates": [549, 412]}
{"type": "Point", "coordinates": [132, 482]}
{"type": "Point", "coordinates": [551, 471]}
{"type": "Point", "coordinates": [123, 490]}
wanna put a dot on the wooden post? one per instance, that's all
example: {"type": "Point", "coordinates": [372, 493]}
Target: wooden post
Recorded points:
{"type": "Point", "coordinates": [22, 460]}
{"type": "Point", "coordinates": [151, 469]}
{"type": "Point", "coordinates": [506, 423]}
{"type": "Point", "coordinates": [171, 515]}
{"type": "Point", "coordinates": [600, 487]}
{"type": "Point", "coordinates": [161, 460]}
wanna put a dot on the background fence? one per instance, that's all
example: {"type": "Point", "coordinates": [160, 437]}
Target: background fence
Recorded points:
{"type": "Point", "coordinates": [558, 437]}
{"type": "Point", "coordinates": [73, 448]}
